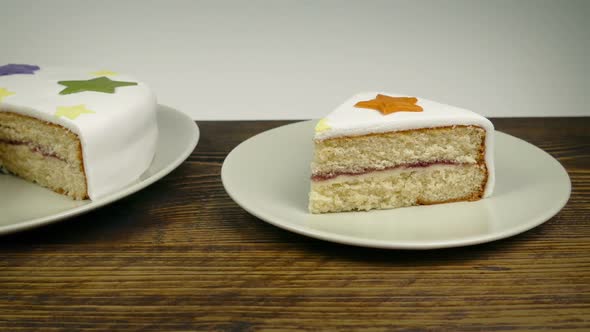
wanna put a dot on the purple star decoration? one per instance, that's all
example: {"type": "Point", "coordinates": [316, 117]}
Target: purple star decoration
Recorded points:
{"type": "Point", "coordinates": [14, 69]}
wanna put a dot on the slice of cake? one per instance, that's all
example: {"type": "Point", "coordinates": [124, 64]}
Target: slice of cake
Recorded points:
{"type": "Point", "coordinates": [81, 133]}
{"type": "Point", "coordinates": [382, 151]}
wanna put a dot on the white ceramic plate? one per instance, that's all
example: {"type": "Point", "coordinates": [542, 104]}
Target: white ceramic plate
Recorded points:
{"type": "Point", "coordinates": [24, 205]}
{"type": "Point", "coordinates": [268, 175]}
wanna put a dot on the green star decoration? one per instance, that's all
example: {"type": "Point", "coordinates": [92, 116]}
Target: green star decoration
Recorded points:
{"type": "Point", "coordinates": [99, 84]}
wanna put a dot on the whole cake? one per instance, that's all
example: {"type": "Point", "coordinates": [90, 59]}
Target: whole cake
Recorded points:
{"type": "Point", "coordinates": [81, 133]}
{"type": "Point", "coordinates": [382, 150]}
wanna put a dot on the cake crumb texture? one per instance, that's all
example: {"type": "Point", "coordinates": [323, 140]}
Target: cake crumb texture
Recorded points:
{"type": "Point", "coordinates": [457, 144]}
{"type": "Point", "coordinates": [398, 188]}
{"type": "Point", "coordinates": [47, 154]}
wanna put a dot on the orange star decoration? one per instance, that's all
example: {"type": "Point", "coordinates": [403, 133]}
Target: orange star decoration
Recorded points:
{"type": "Point", "coordinates": [387, 105]}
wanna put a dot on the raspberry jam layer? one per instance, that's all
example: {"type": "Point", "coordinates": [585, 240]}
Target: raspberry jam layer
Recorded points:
{"type": "Point", "coordinates": [34, 147]}
{"type": "Point", "coordinates": [422, 164]}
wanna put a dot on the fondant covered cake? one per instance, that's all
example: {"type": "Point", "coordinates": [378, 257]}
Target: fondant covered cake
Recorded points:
{"type": "Point", "coordinates": [379, 151]}
{"type": "Point", "coordinates": [81, 133]}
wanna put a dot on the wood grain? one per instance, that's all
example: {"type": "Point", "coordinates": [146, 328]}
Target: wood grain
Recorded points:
{"type": "Point", "coordinates": [181, 255]}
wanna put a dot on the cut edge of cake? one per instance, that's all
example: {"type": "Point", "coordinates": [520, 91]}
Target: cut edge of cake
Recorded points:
{"type": "Point", "coordinates": [45, 153]}
{"type": "Point", "coordinates": [399, 188]}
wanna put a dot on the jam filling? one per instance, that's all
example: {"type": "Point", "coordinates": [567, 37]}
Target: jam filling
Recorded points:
{"type": "Point", "coordinates": [421, 164]}
{"type": "Point", "coordinates": [35, 148]}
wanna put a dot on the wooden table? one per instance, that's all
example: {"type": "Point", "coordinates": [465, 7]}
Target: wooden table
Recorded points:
{"type": "Point", "coordinates": [181, 255]}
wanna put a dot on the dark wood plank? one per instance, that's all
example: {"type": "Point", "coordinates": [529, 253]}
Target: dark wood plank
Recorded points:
{"type": "Point", "coordinates": [181, 255]}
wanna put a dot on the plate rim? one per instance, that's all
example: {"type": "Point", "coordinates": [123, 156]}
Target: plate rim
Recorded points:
{"type": "Point", "coordinates": [399, 245]}
{"type": "Point", "coordinates": [122, 193]}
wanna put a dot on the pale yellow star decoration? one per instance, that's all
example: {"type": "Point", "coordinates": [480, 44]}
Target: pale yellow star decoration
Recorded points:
{"type": "Point", "coordinates": [104, 73]}
{"type": "Point", "coordinates": [386, 104]}
{"type": "Point", "coordinates": [5, 93]}
{"type": "Point", "coordinates": [322, 125]}
{"type": "Point", "coordinates": [72, 112]}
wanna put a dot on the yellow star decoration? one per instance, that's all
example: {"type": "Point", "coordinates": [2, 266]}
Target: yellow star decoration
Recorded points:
{"type": "Point", "coordinates": [5, 93]}
{"type": "Point", "coordinates": [322, 125]}
{"type": "Point", "coordinates": [386, 104]}
{"type": "Point", "coordinates": [104, 73]}
{"type": "Point", "coordinates": [72, 112]}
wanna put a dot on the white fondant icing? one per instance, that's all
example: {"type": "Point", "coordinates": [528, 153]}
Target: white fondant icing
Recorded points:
{"type": "Point", "coordinates": [347, 120]}
{"type": "Point", "coordinates": [118, 139]}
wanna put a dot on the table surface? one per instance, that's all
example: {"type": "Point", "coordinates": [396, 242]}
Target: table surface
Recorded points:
{"type": "Point", "coordinates": [181, 255]}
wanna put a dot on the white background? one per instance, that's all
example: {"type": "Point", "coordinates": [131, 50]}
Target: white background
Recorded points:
{"type": "Point", "coordinates": [299, 59]}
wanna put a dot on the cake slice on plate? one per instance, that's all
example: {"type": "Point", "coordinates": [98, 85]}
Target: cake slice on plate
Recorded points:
{"type": "Point", "coordinates": [383, 150]}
